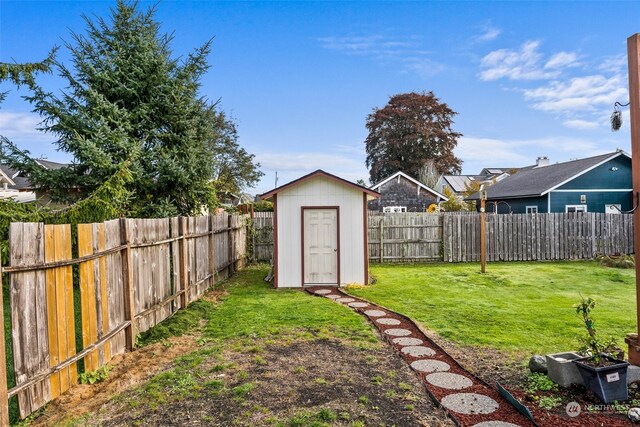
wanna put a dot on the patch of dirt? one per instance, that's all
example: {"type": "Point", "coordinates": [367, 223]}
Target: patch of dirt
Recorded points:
{"type": "Point", "coordinates": [322, 380]}
{"type": "Point", "coordinates": [129, 369]}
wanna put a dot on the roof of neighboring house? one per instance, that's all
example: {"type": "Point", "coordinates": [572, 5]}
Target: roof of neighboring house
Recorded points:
{"type": "Point", "coordinates": [535, 181]}
{"type": "Point", "coordinates": [497, 171]}
{"type": "Point", "coordinates": [319, 172]}
{"type": "Point", "coordinates": [413, 180]}
{"type": "Point", "coordinates": [20, 182]}
{"type": "Point", "coordinates": [48, 164]}
{"type": "Point", "coordinates": [458, 183]}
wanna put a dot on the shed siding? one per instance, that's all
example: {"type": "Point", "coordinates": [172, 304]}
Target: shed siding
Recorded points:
{"type": "Point", "coordinates": [320, 191]}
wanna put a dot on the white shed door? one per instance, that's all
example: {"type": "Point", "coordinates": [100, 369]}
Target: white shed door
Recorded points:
{"type": "Point", "coordinates": [320, 246]}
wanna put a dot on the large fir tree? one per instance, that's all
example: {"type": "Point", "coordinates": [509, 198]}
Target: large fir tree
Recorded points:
{"type": "Point", "coordinates": [129, 101]}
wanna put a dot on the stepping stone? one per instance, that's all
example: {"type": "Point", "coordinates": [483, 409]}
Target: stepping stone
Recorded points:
{"type": "Point", "coordinates": [345, 300]}
{"type": "Point", "coordinates": [322, 292]}
{"type": "Point", "coordinates": [388, 321]}
{"type": "Point", "coordinates": [358, 304]}
{"type": "Point", "coordinates": [449, 381]}
{"type": "Point", "coordinates": [430, 366]}
{"type": "Point", "coordinates": [334, 296]}
{"type": "Point", "coordinates": [469, 403]}
{"type": "Point", "coordinates": [495, 424]}
{"type": "Point", "coordinates": [407, 341]}
{"type": "Point", "coordinates": [397, 332]}
{"type": "Point", "coordinates": [375, 313]}
{"type": "Point", "coordinates": [418, 351]}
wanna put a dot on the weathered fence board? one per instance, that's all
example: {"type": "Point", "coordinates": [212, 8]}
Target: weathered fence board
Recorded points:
{"type": "Point", "coordinates": [132, 274]}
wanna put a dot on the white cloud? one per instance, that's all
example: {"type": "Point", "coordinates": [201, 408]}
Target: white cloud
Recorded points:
{"type": "Point", "coordinates": [20, 126]}
{"type": "Point", "coordinates": [407, 51]}
{"type": "Point", "coordinates": [581, 124]}
{"type": "Point", "coordinates": [562, 60]}
{"type": "Point", "coordinates": [478, 153]}
{"type": "Point", "coordinates": [488, 34]}
{"type": "Point", "coordinates": [522, 64]}
{"type": "Point", "coordinates": [614, 64]}
{"type": "Point", "coordinates": [578, 94]}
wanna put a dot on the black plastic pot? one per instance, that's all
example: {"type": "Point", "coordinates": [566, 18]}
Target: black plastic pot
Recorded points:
{"type": "Point", "coordinates": [609, 383]}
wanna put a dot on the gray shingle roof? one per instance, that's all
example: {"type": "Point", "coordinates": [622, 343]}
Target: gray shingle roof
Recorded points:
{"type": "Point", "coordinates": [533, 181]}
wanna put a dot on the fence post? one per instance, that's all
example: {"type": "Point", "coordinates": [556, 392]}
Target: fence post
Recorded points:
{"type": "Point", "coordinates": [183, 261]}
{"type": "Point", "coordinates": [381, 240]}
{"type": "Point", "coordinates": [127, 276]}
{"type": "Point", "coordinates": [212, 252]}
{"type": "Point", "coordinates": [231, 242]}
{"type": "Point", "coordinates": [4, 398]}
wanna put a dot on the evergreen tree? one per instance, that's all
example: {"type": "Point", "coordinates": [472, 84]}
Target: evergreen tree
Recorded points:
{"type": "Point", "coordinates": [128, 100]}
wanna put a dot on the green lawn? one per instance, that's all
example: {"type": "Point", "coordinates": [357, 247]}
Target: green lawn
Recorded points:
{"type": "Point", "coordinates": [514, 306]}
{"type": "Point", "coordinates": [253, 309]}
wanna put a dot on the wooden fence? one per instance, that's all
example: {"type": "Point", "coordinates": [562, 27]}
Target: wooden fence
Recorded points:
{"type": "Point", "coordinates": [131, 275]}
{"type": "Point", "coordinates": [538, 237]}
{"type": "Point", "coordinates": [455, 237]}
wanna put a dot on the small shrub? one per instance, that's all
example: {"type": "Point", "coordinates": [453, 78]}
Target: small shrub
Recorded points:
{"type": "Point", "coordinates": [96, 376]}
{"type": "Point", "coordinates": [363, 400]}
{"type": "Point", "coordinates": [540, 382]}
{"type": "Point", "coordinates": [549, 402]}
{"type": "Point", "coordinates": [327, 415]}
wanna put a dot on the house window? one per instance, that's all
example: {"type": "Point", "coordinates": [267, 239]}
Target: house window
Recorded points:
{"type": "Point", "coordinates": [394, 209]}
{"type": "Point", "coordinates": [614, 209]}
{"type": "Point", "coordinates": [532, 209]}
{"type": "Point", "coordinates": [575, 208]}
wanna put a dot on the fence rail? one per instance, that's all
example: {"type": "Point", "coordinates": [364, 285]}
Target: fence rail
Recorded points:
{"type": "Point", "coordinates": [130, 274]}
{"type": "Point", "coordinates": [455, 237]}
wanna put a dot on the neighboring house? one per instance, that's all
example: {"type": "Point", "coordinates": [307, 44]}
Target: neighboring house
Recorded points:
{"type": "Point", "coordinates": [18, 185]}
{"type": "Point", "coordinates": [13, 186]}
{"type": "Point", "coordinates": [402, 193]}
{"type": "Point", "coordinates": [459, 184]}
{"type": "Point", "coordinates": [595, 184]}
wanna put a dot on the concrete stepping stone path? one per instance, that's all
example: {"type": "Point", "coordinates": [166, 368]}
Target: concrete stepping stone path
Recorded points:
{"type": "Point", "coordinates": [408, 341]}
{"type": "Point", "coordinates": [417, 351]}
{"type": "Point", "coordinates": [449, 381]}
{"type": "Point", "coordinates": [469, 401]}
{"type": "Point", "coordinates": [397, 332]}
{"type": "Point", "coordinates": [388, 321]}
{"type": "Point", "coordinates": [430, 365]}
{"type": "Point", "coordinates": [375, 313]}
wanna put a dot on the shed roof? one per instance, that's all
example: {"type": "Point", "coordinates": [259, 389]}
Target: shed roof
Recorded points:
{"type": "Point", "coordinates": [319, 173]}
{"type": "Point", "coordinates": [539, 180]}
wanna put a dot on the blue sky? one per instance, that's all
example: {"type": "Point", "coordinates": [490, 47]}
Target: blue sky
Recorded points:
{"type": "Point", "coordinates": [528, 79]}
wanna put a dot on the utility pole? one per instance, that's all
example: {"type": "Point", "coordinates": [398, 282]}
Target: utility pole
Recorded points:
{"type": "Point", "coordinates": [633, 53]}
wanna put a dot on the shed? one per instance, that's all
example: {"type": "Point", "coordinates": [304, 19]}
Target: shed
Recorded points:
{"type": "Point", "coordinates": [320, 231]}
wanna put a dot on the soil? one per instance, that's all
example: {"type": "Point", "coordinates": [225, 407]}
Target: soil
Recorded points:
{"type": "Point", "coordinates": [304, 378]}
{"type": "Point", "coordinates": [129, 370]}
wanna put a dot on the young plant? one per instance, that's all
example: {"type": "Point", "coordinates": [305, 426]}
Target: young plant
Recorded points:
{"type": "Point", "coordinates": [96, 376]}
{"type": "Point", "coordinates": [592, 344]}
